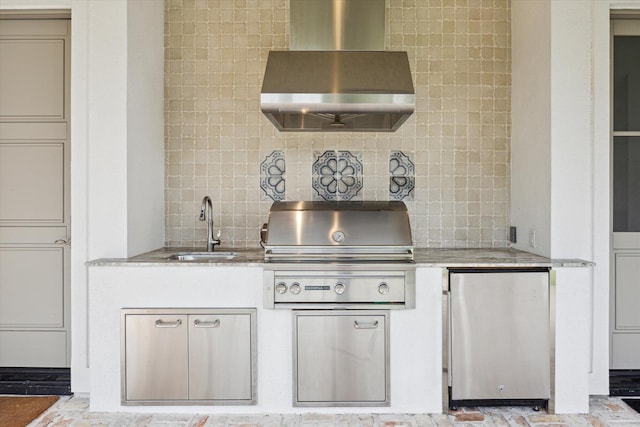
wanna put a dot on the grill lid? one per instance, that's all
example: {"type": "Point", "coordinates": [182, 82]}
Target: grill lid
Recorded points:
{"type": "Point", "coordinates": [338, 230]}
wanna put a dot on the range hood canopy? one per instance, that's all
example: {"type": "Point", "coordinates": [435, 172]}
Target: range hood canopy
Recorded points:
{"type": "Point", "coordinates": [337, 90]}
{"type": "Point", "coordinates": [339, 77]}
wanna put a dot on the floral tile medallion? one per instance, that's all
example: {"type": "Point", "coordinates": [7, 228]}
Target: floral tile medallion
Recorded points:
{"type": "Point", "coordinates": [337, 175]}
{"type": "Point", "coordinates": [402, 180]}
{"type": "Point", "coordinates": [272, 180]}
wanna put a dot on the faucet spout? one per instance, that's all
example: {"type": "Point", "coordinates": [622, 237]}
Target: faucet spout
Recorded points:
{"type": "Point", "coordinates": [206, 214]}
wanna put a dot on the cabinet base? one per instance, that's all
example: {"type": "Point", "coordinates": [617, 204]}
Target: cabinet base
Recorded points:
{"type": "Point", "coordinates": [536, 404]}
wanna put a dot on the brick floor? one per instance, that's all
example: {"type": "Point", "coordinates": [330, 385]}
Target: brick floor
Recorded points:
{"type": "Point", "coordinates": [604, 411]}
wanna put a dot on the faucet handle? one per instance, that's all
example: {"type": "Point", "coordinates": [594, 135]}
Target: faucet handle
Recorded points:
{"type": "Point", "coordinates": [218, 234]}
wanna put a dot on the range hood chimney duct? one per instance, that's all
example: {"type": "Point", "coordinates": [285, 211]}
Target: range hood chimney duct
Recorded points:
{"type": "Point", "coordinates": [337, 77]}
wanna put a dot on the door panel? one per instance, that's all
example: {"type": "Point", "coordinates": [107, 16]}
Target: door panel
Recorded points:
{"type": "Point", "coordinates": [156, 354]}
{"type": "Point", "coordinates": [33, 348]}
{"type": "Point", "coordinates": [31, 287]}
{"type": "Point", "coordinates": [32, 78]}
{"type": "Point", "coordinates": [31, 235]}
{"type": "Point", "coordinates": [34, 189]}
{"type": "Point", "coordinates": [17, 131]}
{"type": "Point", "coordinates": [627, 291]}
{"type": "Point", "coordinates": [32, 182]}
{"type": "Point", "coordinates": [220, 357]}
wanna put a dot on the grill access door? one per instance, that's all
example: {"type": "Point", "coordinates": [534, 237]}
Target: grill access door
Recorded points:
{"type": "Point", "coordinates": [341, 359]}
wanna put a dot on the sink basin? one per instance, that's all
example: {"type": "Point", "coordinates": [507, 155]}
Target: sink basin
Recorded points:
{"type": "Point", "coordinates": [201, 256]}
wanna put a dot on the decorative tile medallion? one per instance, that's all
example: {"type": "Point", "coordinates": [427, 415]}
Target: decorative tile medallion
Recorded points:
{"type": "Point", "coordinates": [272, 179]}
{"type": "Point", "coordinates": [337, 175]}
{"type": "Point", "coordinates": [402, 180]}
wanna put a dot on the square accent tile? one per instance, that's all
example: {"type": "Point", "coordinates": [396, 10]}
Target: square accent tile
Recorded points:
{"type": "Point", "coordinates": [337, 175]}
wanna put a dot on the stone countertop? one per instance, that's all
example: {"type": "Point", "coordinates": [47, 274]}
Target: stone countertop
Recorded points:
{"type": "Point", "coordinates": [489, 257]}
{"type": "Point", "coordinates": [424, 257]}
{"type": "Point", "coordinates": [159, 258]}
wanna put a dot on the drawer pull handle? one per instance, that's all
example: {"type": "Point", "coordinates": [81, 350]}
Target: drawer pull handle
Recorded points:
{"type": "Point", "coordinates": [200, 324]}
{"type": "Point", "coordinates": [372, 325]}
{"type": "Point", "coordinates": [162, 324]}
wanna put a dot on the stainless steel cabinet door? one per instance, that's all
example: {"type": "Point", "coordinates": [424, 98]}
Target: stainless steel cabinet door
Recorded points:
{"type": "Point", "coordinates": [156, 359]}
{"type": "Point", "coordinates": [500, 336]}
{"type": "Point", "coordinates": [341, 359]}
{"type": "Point", "coordinates": [220, 362]}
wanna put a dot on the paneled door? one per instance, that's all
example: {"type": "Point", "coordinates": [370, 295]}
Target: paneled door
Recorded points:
{"type": "Point", "coordinates": [34, 192]}
{"type": "Point", "coordinates": [625, 280]}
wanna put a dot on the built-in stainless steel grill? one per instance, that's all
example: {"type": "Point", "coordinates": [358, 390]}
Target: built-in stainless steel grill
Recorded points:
{"type": "Point", "coordinates": [343, 254]}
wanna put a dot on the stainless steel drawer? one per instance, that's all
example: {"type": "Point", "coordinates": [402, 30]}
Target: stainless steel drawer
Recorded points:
{"type": "Point", "coordinates": [341, 358]}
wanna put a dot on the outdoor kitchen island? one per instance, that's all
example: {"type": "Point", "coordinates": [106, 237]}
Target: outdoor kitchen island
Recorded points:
{"type": "Point", "coordinates": [151, 281]}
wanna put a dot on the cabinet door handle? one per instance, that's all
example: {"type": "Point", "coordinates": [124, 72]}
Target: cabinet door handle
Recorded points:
{"type": "Point", "coordinates": [200, 324]}
{"type": "Point", "coordinates": [162, 324]}
{"type": "Point", "coordinates": [370, 325]}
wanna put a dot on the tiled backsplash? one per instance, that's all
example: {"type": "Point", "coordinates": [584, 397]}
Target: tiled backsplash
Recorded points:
{"type": "Point", "coordinates": [449, 161]}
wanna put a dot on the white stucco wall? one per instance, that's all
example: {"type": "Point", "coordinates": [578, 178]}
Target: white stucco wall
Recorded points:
{"type": "Point", "coordinates": [571, 130]}
{"type": "Point", "coordinates": [145, 126]}
{"type": "Point", "coordinates": [107, 132]}
{"type": "Point", "coordinates": [531, 123]}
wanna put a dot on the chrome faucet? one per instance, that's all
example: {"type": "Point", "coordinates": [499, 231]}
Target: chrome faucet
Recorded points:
{"type": "Point", "coordinates": [208, 216]}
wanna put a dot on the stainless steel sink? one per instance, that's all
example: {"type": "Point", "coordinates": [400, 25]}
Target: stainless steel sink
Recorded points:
{"type": "Point", "coordinates": [201, 256]}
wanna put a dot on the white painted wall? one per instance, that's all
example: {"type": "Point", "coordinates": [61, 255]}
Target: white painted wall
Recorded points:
{"type": "Point", "coordinates": [578, 207]}
{"type": "Point", "coordinates": [572, 340]}
{"type": "Point", "coordinates": [599, 373]}
{"type": "Point", "coordinates": [572, 143]}
{"type": "Point", "coordinates": [531, 123]}
{"type": "Point", "coordinates": [107, 132]}
{"type": "Point", "coordinates": [145, 126]}
{"type": "Point", "coordinates": [100, 143]}
{"type": "Point", "coordinates": [571, 130]}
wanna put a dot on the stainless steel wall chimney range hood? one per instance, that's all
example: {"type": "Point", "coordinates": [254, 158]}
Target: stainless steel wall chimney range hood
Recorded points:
{"type": "Point", "coordinates": [337, 77]}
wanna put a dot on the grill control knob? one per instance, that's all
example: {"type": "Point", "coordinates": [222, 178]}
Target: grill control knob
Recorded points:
{"type": "Point", "coordinates": [383, 288]}
{"type": "Point", "coordinates": [281, 288]}
{"type": "Point", "coordinates": [339, 288]}
{"type": "Point", "coordinates": [295, 288]}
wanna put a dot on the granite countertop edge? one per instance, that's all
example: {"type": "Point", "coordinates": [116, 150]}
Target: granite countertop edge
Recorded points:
{"type": "Point", "coordinates": [423, 257]}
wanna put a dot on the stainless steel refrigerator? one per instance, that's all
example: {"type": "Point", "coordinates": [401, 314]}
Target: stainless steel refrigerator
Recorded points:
{"type": "Point", "coordinates": [499, 335]}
